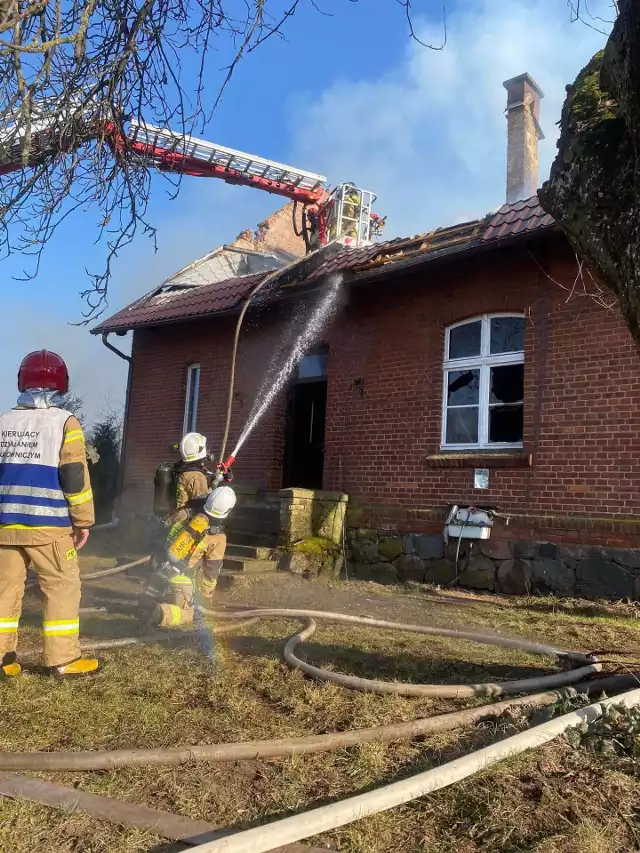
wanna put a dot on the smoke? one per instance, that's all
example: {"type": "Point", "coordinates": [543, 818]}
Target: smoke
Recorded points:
{"type": "Point", "coordinates": [428, 135]}
{"type": "Point", "coordinates": [38, 314]}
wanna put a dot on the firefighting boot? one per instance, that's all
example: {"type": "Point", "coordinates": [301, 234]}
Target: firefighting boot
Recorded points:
{"type": "Point", "coordinates": [207, 589]}
{"type": "Point", "coordinates": [9, 666]}
{"type": "Point", "coordinates": [78, 668]}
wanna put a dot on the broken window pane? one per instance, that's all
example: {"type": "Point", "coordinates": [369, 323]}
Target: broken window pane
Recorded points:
{"type": "Point", "coordinates": [507, 384]}
{"type": "Point", "coordinates": [462, 425]}
{"type": "Point", "coordinates": [505, 424]}
{"type": "Point", "coordinates": [464, 341]}
{"type": "Point", "coordinates": [507, 334]}
{"type": "Point", "coordinates": [463, 387]}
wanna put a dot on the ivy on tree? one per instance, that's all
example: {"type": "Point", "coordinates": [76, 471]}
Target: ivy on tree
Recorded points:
{"type": "Point", "coordinates": [593, 191]}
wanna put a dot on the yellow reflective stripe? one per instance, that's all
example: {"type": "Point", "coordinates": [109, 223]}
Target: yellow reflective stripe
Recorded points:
{"type": "Point", "coordinates": [180, 579]}
{"type": "Point", "coordinates": [175, 614]}
{"type": "Point", "coordinates": [61, 632]}
{"type": "Point", "coordinates": [81, 498]}
{"type": "Point", "coordinates": [62, 627]}
{"type": "Point", "coordinates": [27, 527]}
{"type": "Point", "coordinates": [8, 626]}
{"type": "Point", "coordinates": [74, 435]}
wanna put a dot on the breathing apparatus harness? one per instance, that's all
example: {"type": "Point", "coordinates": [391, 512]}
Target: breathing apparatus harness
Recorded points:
{"type": "Point", "coordinates": [165, 481]}
{"type": "Point", "coordinates": [171, 560]}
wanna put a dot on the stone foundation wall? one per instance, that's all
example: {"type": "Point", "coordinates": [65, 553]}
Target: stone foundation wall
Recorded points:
{"type": "Point", "coordinates": [497, 565]}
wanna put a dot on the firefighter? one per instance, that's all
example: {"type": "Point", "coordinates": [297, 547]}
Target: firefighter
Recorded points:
{"type": "Point", "coordinates": [351, 211]}
{"type": "Point", "coordinates": [193, 480]}
{"type": "Point", "coordinates": [46, 510]}
{"type": "Point", "coordinates": [197, 548]}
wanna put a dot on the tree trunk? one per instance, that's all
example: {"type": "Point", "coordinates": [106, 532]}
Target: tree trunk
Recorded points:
{"type": "Point", "coordinates": [593, 191]}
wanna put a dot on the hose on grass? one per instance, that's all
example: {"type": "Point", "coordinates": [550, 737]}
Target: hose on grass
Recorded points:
{"type": "Point", "coordinates": [91, 760]}
{"type": "Point", "coordinates": [108, 759]}
{"type": "Point", "coordinates": [163, 824]}
{"type": "Point", "coordinates": [155, 637]}
{"type": "Point", "coordinates": [334, 815]}
{"type": "Point", "coordinates": [142, 640]}
{"type": "Point", "coordinates": [102, 573]}
{"type": "Point", "coordinates": [589, 665]}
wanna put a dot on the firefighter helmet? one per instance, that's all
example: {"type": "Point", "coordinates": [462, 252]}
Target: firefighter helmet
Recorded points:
{"type": "Point", "coordinates": [220, 502]}
{"type": "Point", "coordinates": [43, 369]}
{"type": "Point", "coordinates": [193, 447]}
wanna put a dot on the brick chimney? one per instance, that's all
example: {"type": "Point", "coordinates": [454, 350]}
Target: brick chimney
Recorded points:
{"type": "Point", "coordinates": [523, 134]}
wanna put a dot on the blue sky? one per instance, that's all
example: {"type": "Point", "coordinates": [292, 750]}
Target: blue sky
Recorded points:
{"type": "Point", "coordinates": [349, 96]}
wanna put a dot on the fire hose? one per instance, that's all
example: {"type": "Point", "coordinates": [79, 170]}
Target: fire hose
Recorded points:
{"type": "Point", "coordinates": [102, 573]}
{"type": "Point", "coordinates": [585, 666]}
{"type": "Point", "coordinates": [236, 336]}
{"type": "Point", "coordinates": [109, 759]}
{"type": "Point", "coordinates": [334, 815]}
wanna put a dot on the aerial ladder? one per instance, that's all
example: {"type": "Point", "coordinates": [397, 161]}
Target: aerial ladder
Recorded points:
{"type": "Point", "coordinates": [343, 214]}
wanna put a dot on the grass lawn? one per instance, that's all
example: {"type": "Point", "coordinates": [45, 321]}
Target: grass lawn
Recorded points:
{"type": "Point", "coordinates": [555, 800]}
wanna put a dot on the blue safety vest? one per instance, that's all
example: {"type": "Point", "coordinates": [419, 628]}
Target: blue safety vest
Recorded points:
{"type": "Point", "coordinates": [30, 492]}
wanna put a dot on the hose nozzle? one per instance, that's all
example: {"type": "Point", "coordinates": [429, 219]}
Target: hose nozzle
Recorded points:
{"type": "Point", "coordinates": [224, 469]}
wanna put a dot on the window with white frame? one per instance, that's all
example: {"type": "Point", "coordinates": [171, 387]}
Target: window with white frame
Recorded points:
{"type": "Point", "coordinates": [191, 401]}
{"type": "Point", "coordinates": [484, 383]}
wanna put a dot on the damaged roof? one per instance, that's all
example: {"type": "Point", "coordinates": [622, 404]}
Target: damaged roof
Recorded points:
{"type": "Point", "coordinates": [511, 220]}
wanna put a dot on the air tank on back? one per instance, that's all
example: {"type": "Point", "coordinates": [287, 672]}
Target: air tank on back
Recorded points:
{"type": "Point", "coordinates": [164, 490]}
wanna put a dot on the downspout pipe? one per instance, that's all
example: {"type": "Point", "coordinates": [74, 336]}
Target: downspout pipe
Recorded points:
{"type": "Point", "coordinates": [129, 360]}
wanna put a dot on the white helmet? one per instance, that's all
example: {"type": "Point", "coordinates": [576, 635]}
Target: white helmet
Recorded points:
{"type": "Point", "coordinates": [220, 502]}
{"type": "Point", "coordinates": [193, 447]}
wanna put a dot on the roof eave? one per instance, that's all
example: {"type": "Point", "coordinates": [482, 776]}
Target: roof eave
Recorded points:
{"type": "Point", "coordinates": [399, 267]}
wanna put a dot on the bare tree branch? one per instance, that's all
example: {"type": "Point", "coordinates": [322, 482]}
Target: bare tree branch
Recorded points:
{"type": "Point", "coordinates": [579, 11]}
{"type": "Point", "coordinates": [73, 73]}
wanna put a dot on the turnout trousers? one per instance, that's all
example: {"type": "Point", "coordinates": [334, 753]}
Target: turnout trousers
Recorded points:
{"type": "Point", "coordinates": [56, 565]}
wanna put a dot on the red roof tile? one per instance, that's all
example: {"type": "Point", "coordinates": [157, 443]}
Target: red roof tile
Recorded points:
{"type": "Point", "coordinates": [174, 306]}
{"type": "Point", "coordinates": [188, 303]}
{"type": "Point", "coordinates": [517, 218]}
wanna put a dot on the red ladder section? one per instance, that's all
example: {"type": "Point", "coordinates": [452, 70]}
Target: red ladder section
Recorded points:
{"type": "Point", "coordinates": [175, 152]}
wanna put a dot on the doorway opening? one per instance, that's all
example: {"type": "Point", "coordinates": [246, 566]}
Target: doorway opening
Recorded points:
{"type": "Point", "coordinates": [306, 415]}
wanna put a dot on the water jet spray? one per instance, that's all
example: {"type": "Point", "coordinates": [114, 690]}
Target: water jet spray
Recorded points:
{"type": "Point", "coordinates": [275, 378]}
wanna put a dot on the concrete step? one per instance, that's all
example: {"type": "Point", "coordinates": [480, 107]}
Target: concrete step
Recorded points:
{"type": "Point", "coordinates": [258, 513]}
{"type": "Point", "coordinates": [249, 525]}
{"type": "Point", "coordinates": [249, 565]}
{"type": "Point", "coordinates": [256, 540]}
{"type": "Point", "coordinates": [255, 552]}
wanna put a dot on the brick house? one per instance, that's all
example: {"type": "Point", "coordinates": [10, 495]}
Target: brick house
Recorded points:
{"type": "Point", "coordinates": [477, 365]}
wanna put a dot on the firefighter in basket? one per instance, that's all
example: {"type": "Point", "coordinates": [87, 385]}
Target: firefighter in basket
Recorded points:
{"type": "Point", "coordinates": [351, 212]}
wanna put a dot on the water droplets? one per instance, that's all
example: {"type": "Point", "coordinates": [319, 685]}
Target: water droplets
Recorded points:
{"type": "Point", "coordinates": [276, 377]}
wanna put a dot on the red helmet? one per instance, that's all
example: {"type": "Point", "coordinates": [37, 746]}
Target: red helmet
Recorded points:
{"type": "Point", "coordinates": [43, 369]}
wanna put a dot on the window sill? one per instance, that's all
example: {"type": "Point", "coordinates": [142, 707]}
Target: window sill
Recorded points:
{"type": "Point", "coordinates": [480, 459]}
